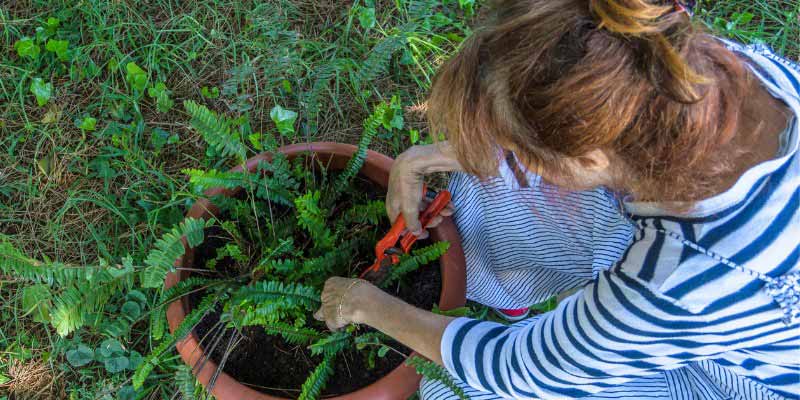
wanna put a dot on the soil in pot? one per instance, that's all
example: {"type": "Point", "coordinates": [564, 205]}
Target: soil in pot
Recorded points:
{"type": "Point", "coordinates": [268, 364]}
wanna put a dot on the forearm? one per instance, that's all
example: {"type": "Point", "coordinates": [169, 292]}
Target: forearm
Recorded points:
{"type": "Point", "coordinates": [417, 329]}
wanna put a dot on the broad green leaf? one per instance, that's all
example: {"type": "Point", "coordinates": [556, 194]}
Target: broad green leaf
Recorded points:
{"type": "Point", "coordinates": [26, 47]}
{"type": "Point", "coordinates": [284, 120]}
{"type": "Point", "coordinates": [116, 364]}
{"type": "Point", "coordinates": [161, 94]}
{"type": "Point", "coordinates": [382, 351]}
{"type": "Point", "coordinates": [366, 17]}
{"type": "Point", "coordinates": [110, 348]}
{"type": "Point", "coordinates": [135, 359]}
{"type": "Point", "coordinates": [43, 91]}
{"type": "Point", "coordinates": [127, 393]}
{"type": "Point", "coordinates": [209, 93]}
{"type": "Point", "coordinates": [136, 77]}
{"type": "Point", "coordinates": [88, 124]}
{"type": "Point", "coordinates": [51, 25]}
{"type": "Point", "coordinates": [80, 356]}
{"type": "Point", "coordinates": [3, 380]}
{"type": "Point", "coordinates": [137, 296]}
{"type": "Point", "coordinates": [131, 309]}
{"type": "Point", "coordinates": [60, 47]}
{"type": "Point", "coordinates": [36, 301]}
{"type": "Point", "coordinates": [413, 136]}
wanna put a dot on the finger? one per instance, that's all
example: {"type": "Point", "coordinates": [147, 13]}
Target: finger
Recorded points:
{"type": "Point", "coordinates": [448, 210]}
{"type": "Point", "coordinates": [435, 221]}
{"type": "Point", "coordinates": [423, 235]}
{"type": "Point", "coordinates": [411, 215]}
{"type": "Point", "coordinates": [319, 315]}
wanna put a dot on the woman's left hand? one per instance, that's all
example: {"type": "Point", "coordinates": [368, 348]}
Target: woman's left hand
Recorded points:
{"type": "Point", "coordinates": [340, 300]}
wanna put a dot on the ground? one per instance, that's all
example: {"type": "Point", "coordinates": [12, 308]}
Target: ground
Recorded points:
{"type": "Point", "coordinates": [94, 137]}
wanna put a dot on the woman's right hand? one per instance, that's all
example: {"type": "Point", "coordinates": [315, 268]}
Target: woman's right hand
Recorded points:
{"type": "Point", "coordinates": [406, 181]}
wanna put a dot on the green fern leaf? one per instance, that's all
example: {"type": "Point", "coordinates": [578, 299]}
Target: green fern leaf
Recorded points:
{"type": "Point", "coordinates": [332, 344]}
{"type": "Point", "coordinates": [185, 382]}
{"type": "Point", "coordinates": [158, 317]}
{"type": "Point", "coordinates": [418, 258]}
{"type": "Point", "coordinates": [169, 248]}
{"type": "Point", "coordinates": [312, 218]}
{"type": "Point", "coordinates": [267, 291]}
{"type": "Point", "coordinates": [204, 180]}
{"type": "Point", "coordinates": [216, 130]}
{"type": "Point", "coordinates": [435, 372]}
{"type": "Point", "coordinates": [345, 178]}
{"type": "Point", "coordinates": [189, 322]}
{"type": "Point", "coordinates": [316, 382]}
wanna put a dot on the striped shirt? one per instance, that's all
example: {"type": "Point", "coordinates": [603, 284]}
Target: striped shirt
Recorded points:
{"type": "Point", "coordinates": [683, 294]}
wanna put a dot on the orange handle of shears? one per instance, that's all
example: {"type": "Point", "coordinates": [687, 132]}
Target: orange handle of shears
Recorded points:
{"type": "Point", "coordinates": [434, 209]}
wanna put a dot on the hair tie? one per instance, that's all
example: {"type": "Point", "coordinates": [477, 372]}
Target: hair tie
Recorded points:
{"type": "Point", "coordinates": [686, 6]}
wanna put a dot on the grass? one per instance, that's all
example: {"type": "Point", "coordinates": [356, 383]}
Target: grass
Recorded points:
{"type": "Point", "coordinates": [95, 172]}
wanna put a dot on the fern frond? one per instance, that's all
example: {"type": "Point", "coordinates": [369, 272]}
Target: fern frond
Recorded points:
{"type": "Point", "coordinates": [189, 322]}
{"type": "Point", "coordinates": [311, 217]}
{"type": "Point", "coordinates": [355, 163]}
{"type": "Point", "coordinates": [158, 318]}
{"type": "Point", "coordinates": [277, 183]}
{"type": "Point", "coordinates": [266, 291]}
{"type": "Point", "coordinates": [203, 180]}
{"type": "Point", "coordinates": [316, 382]}
{"type": "Point", "coordinates": [418, 258]}
{"type": "Point", "coordinates": [332, 344]}
{"type": "Point", "coordinates": [370, 213]}
{"type": "Point", "coordinates": [169, 247]}
{"type": "Point", "coordinates": [216, 131]}
{"type": "Point", "coordinates": [435, 372]}
{"type": "Point", "coordinates": [14, 263]}
{"type": "Point", "coordinates": [378, 59]}
{"type": "Point", "coordinates": [185, 382]}
{"type": "Point", "coordinates": [292, 334]}
{"type": "Point", "coordinates": [324, 74]}
{"type": "Point", "coordinates": [371, 338]}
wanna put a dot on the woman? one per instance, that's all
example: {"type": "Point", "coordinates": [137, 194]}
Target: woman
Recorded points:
{"type": "Point", "coordinates": [676, 217]}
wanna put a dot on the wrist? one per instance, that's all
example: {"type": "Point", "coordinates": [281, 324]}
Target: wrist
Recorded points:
{"type": "Point", "coordinates": [364, 300]}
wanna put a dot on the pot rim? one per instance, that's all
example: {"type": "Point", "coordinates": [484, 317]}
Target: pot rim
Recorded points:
{"type": "Point", "coordinates": [401, 382]}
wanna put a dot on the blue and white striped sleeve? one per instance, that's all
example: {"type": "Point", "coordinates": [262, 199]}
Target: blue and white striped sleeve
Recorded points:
{"type": "Point", "coordinates": [612, 332]}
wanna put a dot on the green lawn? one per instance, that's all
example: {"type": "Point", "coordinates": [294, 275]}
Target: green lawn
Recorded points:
{"type": "Point", "coordinates": [94, 136]}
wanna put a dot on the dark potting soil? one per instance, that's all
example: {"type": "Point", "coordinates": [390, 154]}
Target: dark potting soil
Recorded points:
{"type": "Point", "coordinates": [269, 364]}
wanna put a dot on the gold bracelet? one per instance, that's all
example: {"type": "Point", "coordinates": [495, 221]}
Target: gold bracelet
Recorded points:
{"type": "Point", "coordinates": [346, 292]}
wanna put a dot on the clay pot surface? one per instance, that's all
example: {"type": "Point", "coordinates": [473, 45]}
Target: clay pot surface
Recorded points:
{"type": "Point", "coordinates": [399, 384]}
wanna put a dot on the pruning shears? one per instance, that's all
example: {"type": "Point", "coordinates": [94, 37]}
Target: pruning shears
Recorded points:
{"type": "Point", "coordinates": [387, 250]}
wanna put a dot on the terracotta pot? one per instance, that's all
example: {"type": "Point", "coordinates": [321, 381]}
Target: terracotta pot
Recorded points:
{"type": "Point", "coordinates": [398, 384]}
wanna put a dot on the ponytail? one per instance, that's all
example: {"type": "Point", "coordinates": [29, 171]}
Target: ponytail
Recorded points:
{"type": "Point", "coordinates": [661, 32]}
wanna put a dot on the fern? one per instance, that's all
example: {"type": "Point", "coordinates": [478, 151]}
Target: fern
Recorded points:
{"type": "Point", "coordinates": [158, 320]}
{"type": "Point", "coordinates": [185, 382]}
{"type": "Point", "coordinates": [189, 322]}
{"type": "Point", "coordinates": [378, 59]}
{"type": "Point", "coordinates": [345, 178]}
{"type": "Point", "coordinates": [203, 180]}
{"type": "Point", "coordinates": [316, 382]}
{"type": "Point", "coordinates": [278, 183]}
{"type": "Point", "coordinates": [324, 74]}
{"type": "Point", "coordinates": [435, 372]}
{"type": "Point", "coordinates": [418, 258]}
{"type": "Point", "coordinates": [312, 218]}
{"type": "Point", "coordinates": [332, 344]}
{"type": "Point", "coordinates": [13, 262]}
{"type": "Point", "coordinates": [169, 247]}
{"type": "Point", "coordinates": [292, 334]}
{"type": "Point", "coordinates": [266, 291]}
{"type": "Point", "coordinates": [216, 131]}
